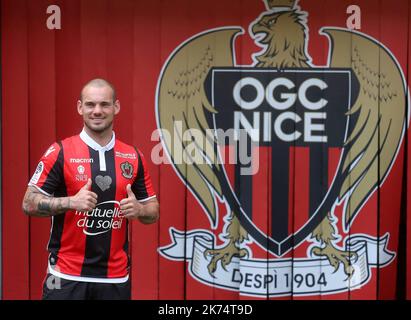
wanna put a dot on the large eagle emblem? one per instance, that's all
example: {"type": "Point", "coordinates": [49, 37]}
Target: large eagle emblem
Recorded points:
{"type": "Point", "coordinates": [369, 150]}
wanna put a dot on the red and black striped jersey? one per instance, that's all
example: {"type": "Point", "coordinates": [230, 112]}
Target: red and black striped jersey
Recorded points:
{"type": "Point", "coordinates": [91, 246]}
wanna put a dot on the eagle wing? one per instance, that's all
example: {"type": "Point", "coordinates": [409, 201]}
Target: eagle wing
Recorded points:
{"type": "Point", "coordinates": [380, 110]}
{"type": "Point", "coordinates": [183, 110]}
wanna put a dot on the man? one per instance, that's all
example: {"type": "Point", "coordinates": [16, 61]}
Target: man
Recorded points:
{"type": "Point", "coordinates": [91, 185]}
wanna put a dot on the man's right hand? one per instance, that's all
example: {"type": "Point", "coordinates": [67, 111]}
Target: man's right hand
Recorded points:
{"type": "Point", "coordinates": [84, 200]}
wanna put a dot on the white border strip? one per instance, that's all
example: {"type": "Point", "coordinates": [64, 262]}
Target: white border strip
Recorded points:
{"type": "Point", "coordinates": [146, 199]}
{"type": "Point", "coordinates": [87, 279]}
{"type": "Point", "coordinates": [39, 189]}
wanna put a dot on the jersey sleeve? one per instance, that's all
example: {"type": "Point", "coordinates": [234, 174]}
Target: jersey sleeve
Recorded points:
{"type": "Point", "coordinates": [49, 172]}
{"type": "Point", "coordinates": [142, 185]}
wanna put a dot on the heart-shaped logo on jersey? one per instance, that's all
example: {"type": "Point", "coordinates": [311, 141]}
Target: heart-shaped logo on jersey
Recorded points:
{"type": "Point", "coordinates": [103, 182]}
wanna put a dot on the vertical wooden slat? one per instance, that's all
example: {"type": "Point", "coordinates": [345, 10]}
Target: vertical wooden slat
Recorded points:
{"type": "Point", "coordinates": [338, 18]}
{"type": "Point", "coordinates": [120, 67]}
{"type": "Point", "coordinates": [245, 47]}
{"type": "Point", "coordinates": [322, 15]}
{"type": "Point", "coordinates": [367, 219]}
{"type": "Point", "coordinates": [394, 20]}
{"type": "Point", "coordinates": [42, 111]}
{"type": "Point", "coordinates": [196, 216]}
{"type": "Point", "coordinates": [95, 23]}
{"type": "Point", "coordinates": [68, 70]}
{"type": "Point", "coordinates": [145, 70]}
{"type": "Point", "coordinates": [225, 13]}
{"type": "Point", "coordinates": [172, 277]}
{"type": "Point", "coordinates": [15, 149]}
{"type": "Point", "coordinates": [317, 20]}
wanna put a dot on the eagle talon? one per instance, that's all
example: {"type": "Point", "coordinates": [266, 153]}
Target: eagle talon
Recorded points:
{"type": "Point", "coordinates": [336, 256]}
{"type": "Point", "coordinates": [224, 255]}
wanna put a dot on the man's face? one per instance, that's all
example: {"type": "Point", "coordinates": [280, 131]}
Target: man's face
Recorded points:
{"type": "Point", "coordinates": [98, 108]}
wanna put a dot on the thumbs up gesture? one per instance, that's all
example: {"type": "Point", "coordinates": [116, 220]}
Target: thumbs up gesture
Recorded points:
{"type": "Point", "coordinates": [87, 186]}
{"type": "Point", "coordinates": [130, 193]}
{"type": "Point", "coordinates": [84, 200]}
{"type": "Point", "coordinates": [130, 207]}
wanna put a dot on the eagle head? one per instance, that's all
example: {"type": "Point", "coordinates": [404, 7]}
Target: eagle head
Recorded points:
{"type": "Point", "coordinates": [283, 34]}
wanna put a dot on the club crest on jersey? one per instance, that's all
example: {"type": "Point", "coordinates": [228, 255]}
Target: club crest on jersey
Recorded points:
{"type": "Point", "coordinates": [326, 138]}
{"type": "Point", "coordinates": [127, 170]}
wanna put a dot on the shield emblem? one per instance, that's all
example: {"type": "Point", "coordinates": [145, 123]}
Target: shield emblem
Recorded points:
{"type": "Point", "coordinates": [290, 117]}
{"type": "Point", "coordinates": [126, 169]}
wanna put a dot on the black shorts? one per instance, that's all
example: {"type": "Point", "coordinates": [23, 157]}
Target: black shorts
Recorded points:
{"type": "Point", "coordinates": [55, 288]}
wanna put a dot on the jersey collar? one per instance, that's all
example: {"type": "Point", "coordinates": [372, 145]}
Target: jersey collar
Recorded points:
{"type": "Point", "coordinates": [94, 145]}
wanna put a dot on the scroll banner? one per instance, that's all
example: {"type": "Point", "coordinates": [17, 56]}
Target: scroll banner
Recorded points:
{"type": "Point", "coordinates": [279, 277]}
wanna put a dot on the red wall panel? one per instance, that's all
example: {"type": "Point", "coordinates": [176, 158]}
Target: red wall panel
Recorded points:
{"type": "Point", "coordinates": [42, 110]}
{"type": "Point", "coordinates": [15, 119]}
{"type": "Point", "coordinates": [15, 147]}
{"type": "Point", "coordinates": [145, 240]}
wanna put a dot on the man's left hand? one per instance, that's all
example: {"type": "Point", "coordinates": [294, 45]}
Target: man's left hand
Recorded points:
{"type": "Point", "coordinates": [130, 207]}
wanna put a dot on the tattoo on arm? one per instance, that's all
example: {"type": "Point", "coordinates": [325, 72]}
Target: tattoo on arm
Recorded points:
{"type": "Point", "coordinates": [44, 205]}
{"type": "Point", "coordinates": [37, 204]}
{"type": "Point", "coordinates": [150, 212]}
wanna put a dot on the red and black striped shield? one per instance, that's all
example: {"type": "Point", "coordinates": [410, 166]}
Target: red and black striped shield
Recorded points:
{"type": "Point", "coordinates": [297, 121]}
